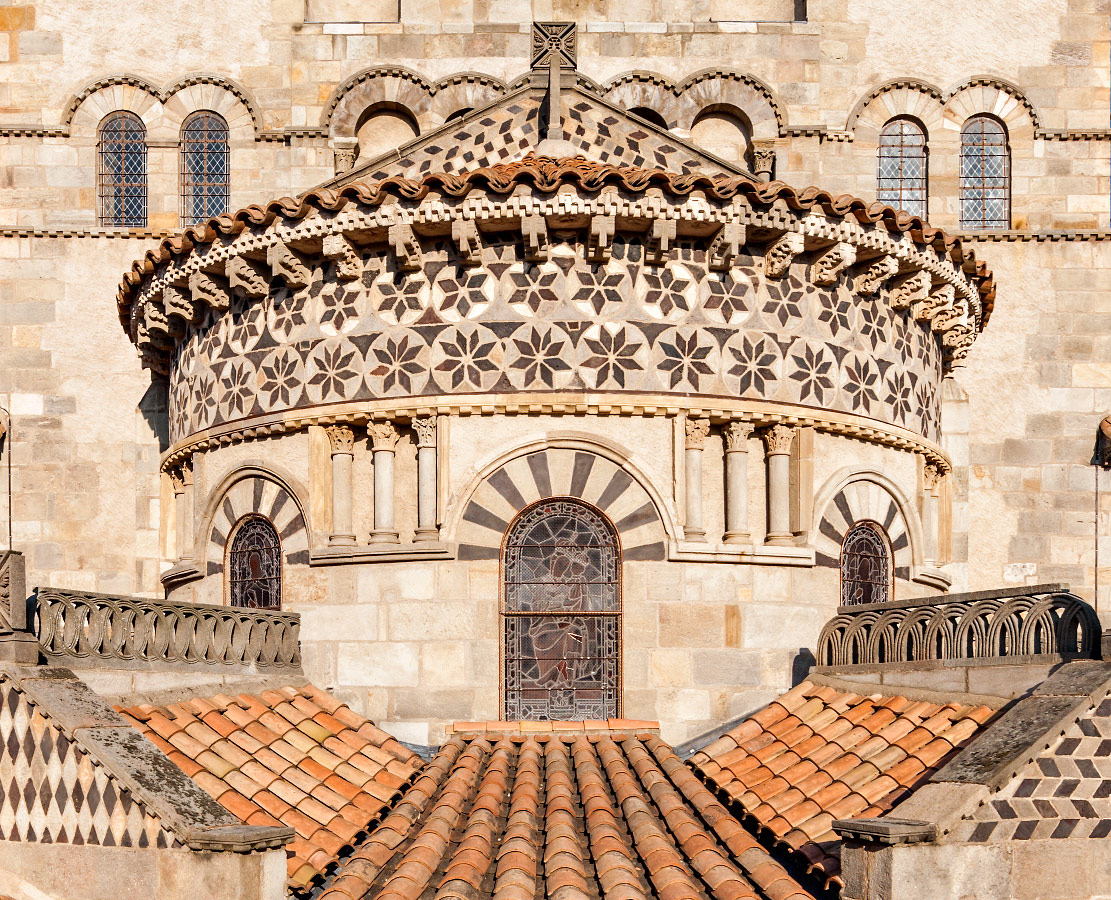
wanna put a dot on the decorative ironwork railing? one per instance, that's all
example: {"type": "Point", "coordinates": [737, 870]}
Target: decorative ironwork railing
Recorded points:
{"type": "Point", "coordinates": [105, 630]}
{"type": "Point", "coordinates": [1040, 621]}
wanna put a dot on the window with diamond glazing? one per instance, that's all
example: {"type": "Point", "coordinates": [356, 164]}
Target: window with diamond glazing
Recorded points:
{"type": "Point", "coordinates": [561, 608]}
{"type": "Point", "coordinates": [865, 565]}
{"type": "Point", "coordinates": [255, 565]}
{"type": "Point", "coordinates": [901, 173]}
{"type": "Point", "coordinates": [122, 172]}
{"type": "Point", "coordinates": [985, 175]}
{"type": "Point", "coordinates": [205, 164]}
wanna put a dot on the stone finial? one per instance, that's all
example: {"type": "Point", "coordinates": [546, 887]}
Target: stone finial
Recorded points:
{"type": "Point", "coordinates": [342, 252]}
{"type": "Point", "coordinates": [383, 436]}
{"type": "Point", "coordinates": [872, 278]}
{"type": "Point", "coordinates": [288, 265]}
{"type": "Point", "coordinates": [425, 427]}
{"type": "Point", "coordinates": [726, 246]}
{"type": "Point", "coordinates": [248, 277]}
{"type": "Point", "coordinates": [554, 37]}
{"type": "Point", "coordinates": [736, 435]}
{"type": "Point", "coordinates": [778, 439]}
{"type": "Point", "coordinates": [828, 267]}
{"type": "Point", "coordinates": [341, 438]}
{"type": "Point", "coordinates": [781, 253]}
{"type": "Point", "coordinates": [696, 431]}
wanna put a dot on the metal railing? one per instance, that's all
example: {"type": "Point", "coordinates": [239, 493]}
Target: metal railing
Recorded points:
{"type": "Point", "coordinates": [77, 628]}
{"type": "Point", "coordinates": [1044, 621]}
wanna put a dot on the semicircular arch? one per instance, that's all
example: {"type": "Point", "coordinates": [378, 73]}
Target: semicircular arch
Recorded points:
{"type": "Point", "coordinates": [377, 85]}
{"type": "Point", "coordinates": [749, 94]}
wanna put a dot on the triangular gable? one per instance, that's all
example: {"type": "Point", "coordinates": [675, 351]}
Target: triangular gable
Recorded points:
{"type": "Point", "coordinates": [509, 128]}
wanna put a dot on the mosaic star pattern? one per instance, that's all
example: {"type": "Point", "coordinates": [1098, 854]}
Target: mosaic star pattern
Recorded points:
{"type": "Point", "coordinates": [563, 324]}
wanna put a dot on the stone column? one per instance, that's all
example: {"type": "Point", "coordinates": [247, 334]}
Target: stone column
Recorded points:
{"type": "Point", "coordinates": [931, 476]}
{"type": "Point", "coordinates": [696, 430]}
{"type": "Point", "coordinates": [342, 439]}
{"type": "Point", "coordinates": [184, 510]}
{"type": "Point", "coordinates": [383, 437]}
{"type": "Point", "coordinates": [736, 482]}
{"type": "Point", "coordinates": [179, 511]}
{"type": "Point", "coordinates": [777, 451]}
{"type": "Point", "coordinates": [425, 428]}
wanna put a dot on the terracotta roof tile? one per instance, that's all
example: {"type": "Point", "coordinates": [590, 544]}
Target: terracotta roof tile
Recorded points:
{"type": "Point", "coordinates": [263, 759]}
{"type": "Point", "coordinates": [517, 814]}
{"type": "Point", "coordinates": [864, 754]}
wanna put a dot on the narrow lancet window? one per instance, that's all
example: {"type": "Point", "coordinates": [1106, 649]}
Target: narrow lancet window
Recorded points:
{"type": "Point", "coordinates": [865, 565]}
{"type": "Point", "coordinates": [254, 565]}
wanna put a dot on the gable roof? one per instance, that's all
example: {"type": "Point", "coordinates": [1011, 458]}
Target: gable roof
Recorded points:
{"type": "Point", "coordinates": [508, 129]}
{"type": "Point", "coordinates": [294, 756]}
{"type": "Point", "coordinates": [818, 754]}
{"type": "Point", "coordinates": [523, 815]}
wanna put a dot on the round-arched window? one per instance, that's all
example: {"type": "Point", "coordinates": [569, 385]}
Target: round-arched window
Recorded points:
{"type": "Point", "coordinates": [122, 171]}
{"type": "Point", "coordinates": [561, 607]}
{"type": "Point", "coordinates": [865, 565]}
{"type": "Point", "coordinates": [985, 176]}
{"type": "Point", "coordinates": [205, 168]}
{"type": "Point", "coordinates": [254, 565]}
{"type": "Point", "coordinates": [901, 172]}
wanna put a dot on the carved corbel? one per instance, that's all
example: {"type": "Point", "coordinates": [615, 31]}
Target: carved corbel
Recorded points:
{"type": "Point", "coordinates": [154, 316]}
{"type": "Point", "coordinates": [660, 237]}
{"type": "Point", "coordinates": [869, 280]}
{"type": "Point", "coordinates": [405, 247]}
{"type": "Point", "coordinates": [212, 290]}
{"type": "Point", "coordinates": [248, 277]}
{"type": "Point", "coordinates": [464, 233]}
{"type": "Point", "coordinates": [947, 318]}
{"type": "Point", "coordinates": [178, 303]}
{"type": "Point", "coordinates": [957, 341]}
{"type": "Point", "coordinates": [342, 252]}
{"type": "Point", "coordinates": [829, 265]}
{"type": "Point", "coordinates": [909, 289]}
{"type": "Point", "coordinates": [941, 297]}
{"type": "Point", "coordinates": [534, 232]}
{"type": "Point", "coordinates": [599, 244]}
{"type": "Point", "coordinates": [781, 253]}
{"type": "Point", "coordinates": [726, 246]}
{"type": "Point", "coordinates": [289, 266]}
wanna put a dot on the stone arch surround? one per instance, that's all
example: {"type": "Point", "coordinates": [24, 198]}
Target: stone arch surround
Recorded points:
{"type": "Point", "coordinates": [562, 471]}
{"type": "Point", "coordinates": [254, 490]}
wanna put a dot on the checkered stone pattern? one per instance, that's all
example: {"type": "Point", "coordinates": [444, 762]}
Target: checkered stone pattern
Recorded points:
{"type": "Point", "coordinates": [1064, 793]}
{"type": "Point", "coordinates": [564, 324]}
{"type": "Point", "coordinates": [53, 792]}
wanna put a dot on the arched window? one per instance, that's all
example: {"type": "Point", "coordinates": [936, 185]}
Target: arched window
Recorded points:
{"type": "Point", "coordinates": [254, 565]}
{"type": "Point", "coordinates": [561, 605]}
{"type": "Point", "coordinates": [901, 168]}
{"type": "Point", "coordinates": [725, 132]}
{"type": "Point", "coordinates": [865, 565]}
{"type": "Point", "coordinates": [383, 127]}
{"type": "Point", "coordinates": [649, 115]}
{"type": "Point", "coordinates": [985, 175]}
{"type": "Point", "coordinates": [122, 171]}
{"type": "Point", "coordinates": [204, 168]}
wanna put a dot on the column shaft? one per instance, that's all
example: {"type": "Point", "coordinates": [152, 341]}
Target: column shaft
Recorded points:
{"type": "Point", "coordinates": [342, 440]}
{"type": "Point", "coordinates": [426, 479]}
{"type": "Point", "coordinates": [384, 441]}
{"type": "Point", "coordinates": [696, 431]}
{"type": "Point", "coordinates": [736, 482]}
{"type": "Point", "coordinates": [778, 441]}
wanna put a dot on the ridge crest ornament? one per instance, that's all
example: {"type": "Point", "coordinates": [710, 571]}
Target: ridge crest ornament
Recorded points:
{"type": "Point", "coordinates": [554, 37]}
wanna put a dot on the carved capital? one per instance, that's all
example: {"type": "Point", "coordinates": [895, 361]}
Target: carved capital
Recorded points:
{"type": "Point", "coordinates": [737, 435]}
{"type": "Point", "coordinates": [932, 475]}
{"type": "Point", "coordinates": [828, 267]}
{"type": "Point", "coordinates": [383, 436]}
{"type": "Point", "coordinates": [778, 439]}
{"type": "Point", "coordinates": [342, 252]}
{"type": "Point", "coordinates": [344, 153]}
{"type": "Point", "coordinates": [187, 472]}
{"type": "Point", "coordinates": [872, 277]}
{"type": "Point", "coordinates": [696, 430]}
{"type": "Point", "coordinates": [781, 253]}
{"type": "Point", "coordinates": [177, 481]}
{"type": "Point", "coordinates": [763, 159]}
{"type": "Point", "coordinates": [425, 427]}
{"type": "Point", "coordinates": [910, 289]}
{"type": "Point", "coordinates": [341, 438]}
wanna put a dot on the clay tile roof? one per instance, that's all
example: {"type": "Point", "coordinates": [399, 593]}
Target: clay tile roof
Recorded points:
{"type": "Point", "coordinates": [586, 812]}
{"type": "Point", "coordinates": [332, 790]}
{"type": "Point", "coordinates": [547, 174]}
{"type": "Point", "coordinates": [863, 755]}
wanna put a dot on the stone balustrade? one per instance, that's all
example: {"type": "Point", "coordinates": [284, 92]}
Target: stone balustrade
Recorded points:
{"type": "Point", "coordinates": [80, 629]}
{"type": "Point", "coordinates": [1034, 624]}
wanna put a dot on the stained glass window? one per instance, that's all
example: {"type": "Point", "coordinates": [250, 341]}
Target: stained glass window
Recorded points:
{"type": "Point", "coordinates": [255, 565]}
{"type": "Point", "coordinates": [901, 175]}
{"type": "Point", "coordinates": [985, 175]}
{"type": "Point", "coordinates": [562, 614]}
{"type": "Point", "coordinates": [865, 565]}
{"type": "Point", "coordinates": [204, 168]}
{"type": "Point", "coordinates": [122, 172]}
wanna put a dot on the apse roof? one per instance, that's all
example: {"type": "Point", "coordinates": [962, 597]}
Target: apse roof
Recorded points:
{"type": "Point", "coordinates": [818, 754]}
{"type": "Point", "coordinates": [295, 756]}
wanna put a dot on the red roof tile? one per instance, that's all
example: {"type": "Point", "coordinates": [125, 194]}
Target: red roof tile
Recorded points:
{"type": "Point", "coordinates": [860, 758]}
{"type": "Point", "coordinates": [512, 814]}
{"type": "Point", "coordinates": [263, 759]}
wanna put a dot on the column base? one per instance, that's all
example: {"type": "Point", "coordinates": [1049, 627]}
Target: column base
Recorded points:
{"type": "Point", "coordinates": [424, 535]}
{"type": "Point", "coordinates": [694, 534]}
{"type": "Point", "coordinates": [341, 540]}
{"type": "Point", "coordinates": [19, 647]}
{"type": "Point", "coordinates": [785, 539]}
{"type": "Point", "coordinates": [384, 536]}
{"type": "Point", "coordinates": [736, 537]}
